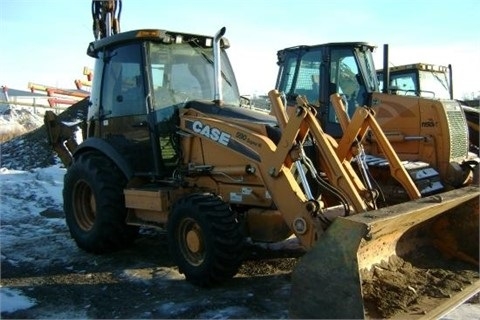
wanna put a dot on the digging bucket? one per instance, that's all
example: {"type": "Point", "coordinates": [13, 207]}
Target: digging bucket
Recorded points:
{"type": "Point", "coordinates": [414, 260]}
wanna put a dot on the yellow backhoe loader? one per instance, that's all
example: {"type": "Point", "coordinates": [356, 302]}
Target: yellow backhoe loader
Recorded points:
{"type": "Point", "coordinates": [166, 144]}
{"type": "Point", "coordinates": [432, 82]}
{"type": "Point", "coordinates": [429, 136]}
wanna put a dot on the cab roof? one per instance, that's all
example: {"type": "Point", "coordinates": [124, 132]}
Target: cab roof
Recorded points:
{"type": "Point", "coordinates": [418, 66]}
{"type": "Point", "coordinates": [330, 44]}
{"type": "Point", "coordinates": [165, 36]}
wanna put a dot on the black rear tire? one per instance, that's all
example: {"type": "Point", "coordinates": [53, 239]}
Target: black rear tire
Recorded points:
{"type": "Point", "coordinates": [205, 239]}
{"type": "Point", "coordinates": [94, 204]}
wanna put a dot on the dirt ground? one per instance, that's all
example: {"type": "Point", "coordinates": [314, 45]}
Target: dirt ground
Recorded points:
{"type": "Point", "coordinates": [443, 262]}
{"type": "Point", "coordinates": [397, 288]}
{"type": "Point", "coordinates": [142, 282]}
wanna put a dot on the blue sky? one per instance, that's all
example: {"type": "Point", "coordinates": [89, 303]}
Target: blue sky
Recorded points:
{"type": "Point", "coordinates": [44, 41]}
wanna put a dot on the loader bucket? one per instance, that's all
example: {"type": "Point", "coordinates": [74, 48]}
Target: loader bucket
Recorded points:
{"type": "Point", "coordinates": [412, 260]}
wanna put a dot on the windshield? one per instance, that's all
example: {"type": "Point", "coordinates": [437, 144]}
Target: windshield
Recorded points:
{"type": "Point", "coordinates": [402, 83]}
{"type": "Point", "coordinates": [428, 84]}
{"type": "Point", "coordinates": [365, 61]}
{"type": "Point", "coordinates": [434, 82]}
{"type": "Point", "coordinates": [182, 72]}
{"type": "Point", "coordinates": [353, 75]}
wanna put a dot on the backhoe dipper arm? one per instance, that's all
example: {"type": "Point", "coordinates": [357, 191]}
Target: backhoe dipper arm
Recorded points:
{"type": "Point", "coordinates": [106, 17]}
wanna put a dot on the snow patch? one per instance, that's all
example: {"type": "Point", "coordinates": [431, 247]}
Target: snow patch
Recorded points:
{"type": "Point", "coordinates": [12, 300]}
{"type": "Point", "coordinates": [19, 118]}
{"type": "Point", "coordinates": [146, 274]}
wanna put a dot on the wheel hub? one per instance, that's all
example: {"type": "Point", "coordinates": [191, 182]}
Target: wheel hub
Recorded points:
{"type": "Point", "coordinates": [193, 240]}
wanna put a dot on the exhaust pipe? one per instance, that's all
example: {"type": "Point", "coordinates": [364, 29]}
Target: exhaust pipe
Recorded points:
{"type": "Point", "coordinates": [217, 65]}
{"type": "Point", "coordinates": [450, 79]}
{"type": "Point", "coordinates": [386, 71]}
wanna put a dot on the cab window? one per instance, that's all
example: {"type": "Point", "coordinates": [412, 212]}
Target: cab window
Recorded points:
{"type": "Point", "coordinates": [123, 83]}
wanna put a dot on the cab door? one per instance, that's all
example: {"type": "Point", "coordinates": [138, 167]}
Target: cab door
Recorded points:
{"type": "Point", "coordinates": [123, 113]}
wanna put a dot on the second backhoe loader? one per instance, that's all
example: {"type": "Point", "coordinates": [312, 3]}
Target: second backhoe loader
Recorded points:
{"type": "Point", "coordinates": [429, 136]}
{"type": "Point", "coordinates": [167, 145]}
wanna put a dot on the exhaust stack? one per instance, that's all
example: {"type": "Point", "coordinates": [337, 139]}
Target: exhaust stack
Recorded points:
{"type": "Point", "coordinates": [217, 65]}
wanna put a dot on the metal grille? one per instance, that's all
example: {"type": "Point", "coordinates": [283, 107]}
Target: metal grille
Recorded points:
{"type": "Point", "coordinates": [458, 132]}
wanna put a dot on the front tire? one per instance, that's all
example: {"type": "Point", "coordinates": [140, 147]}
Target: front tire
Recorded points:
{"type": "Point", "coordinates": [94, 204]}
{"type": "Point", "coordinates": [204, 239]}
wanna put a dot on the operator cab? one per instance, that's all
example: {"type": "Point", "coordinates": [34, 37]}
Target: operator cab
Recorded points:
{"type": "Point", "coordinates": [420, 79]}
{"type": "Point", "coordinates": [142, 79]}
{"type": "Point", "coordinates": [319, 71]}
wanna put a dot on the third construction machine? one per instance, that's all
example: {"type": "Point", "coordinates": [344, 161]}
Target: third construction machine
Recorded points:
{"type": "Point", "coordinates": [166, 144]}
{"type": "Point", "coordinates": [432, 82]}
